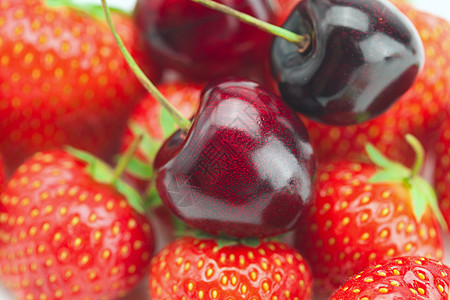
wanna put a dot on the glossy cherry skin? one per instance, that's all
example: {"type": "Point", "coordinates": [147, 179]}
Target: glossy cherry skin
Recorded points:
{"type": "Point", "coordinates": [202, 43]}
{"type": "Point", "coordinates": [245, 168]}
{"type": "Point", "coordinates": [363, 56]}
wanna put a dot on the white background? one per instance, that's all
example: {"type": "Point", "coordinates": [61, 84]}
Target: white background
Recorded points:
{"type": "Point", "coordinates": [439, 7]}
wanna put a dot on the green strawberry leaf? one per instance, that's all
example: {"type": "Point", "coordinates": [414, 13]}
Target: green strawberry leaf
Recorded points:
{"type": "Point", "coordinates": [96, 168]}
{"type": "Point", "coordinates": [377, 157]}
{"type": "Point", "coordinates": [152, 198]}
{"type": "Point", "coordinates": [140, 169]}
{"type": "Point", "coordinates": [134, 199]}
{"type": "Point", "coordinates": [252, 242]}
{"type": "Point", "coordinates": [149, 146]}
{"type": "Point", "coordinates": [423, 195]}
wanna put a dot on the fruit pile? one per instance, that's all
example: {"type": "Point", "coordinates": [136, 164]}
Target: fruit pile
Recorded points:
{"type": "Point", "coordinates": [279, 154]}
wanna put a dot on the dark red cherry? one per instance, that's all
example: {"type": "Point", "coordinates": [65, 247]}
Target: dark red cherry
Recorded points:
{"type": "Point", "coordinates": [363, 56]}
{"type": "Point", "coordinates": [245, 168]}
{"type": "Point", "coordinates": [202, 43]}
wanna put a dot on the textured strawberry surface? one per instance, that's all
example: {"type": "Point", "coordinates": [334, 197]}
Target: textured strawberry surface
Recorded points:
{"type": "Point", "coordinates": [64, 236]}
{"type": "Point", "coordinates": [63, 80]}
{"type": "Point", "coordinates": [354, 224]}
{"type": "Point", "coordinates": [191, 268]}
{"type": "Point", "coordinates": [400, 278]}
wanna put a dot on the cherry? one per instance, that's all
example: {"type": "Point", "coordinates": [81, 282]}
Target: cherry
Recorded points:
{"type": "Point", "coordinates": [341, 62]}
{"type": "Point", "coordinates": [201, 43]}
{"type": "Point", "coordinates": [245, 168]}
{"type": "Point", "coordinates": [363, 56]}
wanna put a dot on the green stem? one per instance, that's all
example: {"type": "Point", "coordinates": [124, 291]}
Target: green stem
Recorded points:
{"type": "Point", "coordinates": [419, 151]}
{"type": "Point", "coordinates": [182, 122]}
{"type": "Point", "coordinates": [267, 27]}
{"type": "Point", "coordinates": [126, 157]}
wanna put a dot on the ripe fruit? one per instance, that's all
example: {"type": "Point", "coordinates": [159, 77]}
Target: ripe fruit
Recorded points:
{"type": "Point", "coordinates": [400, 278]}
{"type": "Point", "coordinates": [64, 80]}
{"type": "Point", "coordinates": [156, 124]}
{"type": "Point", "coordinates": [245, 168]}
{"type": "Point", "coordinates": [420, 111]}
{"type": "Point", "coordinates": [199, 269]}
{"type": "Point", "coordinates": [66, 236]}
{"type": "Point", "coordinates": [365, 213]}
{"type": "Point", "coordinates": [350, 72]}
{"type": "Point", "coordinates": [442, 170]}
{"type": "Point", "coordinates": [199, 42]}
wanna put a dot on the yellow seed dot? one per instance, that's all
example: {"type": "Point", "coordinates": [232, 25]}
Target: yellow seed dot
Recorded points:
{"type": "Point", "coordinates": [265, 286]}
{"type": "Point", "coordinates": [224, 280]}
{"type": "Point", "coordinates": [106, 254]}
{"type": "Point", "coordinates": [253, 275]}
{"type": "Point", "coordinates": [277, 277]}
{"type": "Point", "coordinates": [84, 260]}
{"type": "Point", "coordinates": [385, 211]}
{"type": "Point", "coordinates": [214, 294]}
{"type": "Point", "coordinates": [77, 242]}
{"type": "Point", "coordinates": [233, 280]}
{"type": "Point", "coordinates": [75, 220]}
{"type": "Point", "coordinates": [132, 224]}
{"type": "Point", "coordinates": [408, 247]}
{"type": "Point", "coordinates": [190, 286]}
{"type": "Point", "coordinates": [115, 230]}
{"type": "Point", "coordinates": [52, 278]}
{"type": "Point", "coordinates": [421, 276]}
{"type": "Point", "coordinates": [396, 272]}
{"type": "Point", "coordinates": [264, 266]}
{"type": "Point", "coordinates": [421, 291]}
{"type": "Point", "coordinates": [209, 273]}
{"type": "Point", "coordinates": [92, 218]}
{"type": "Point", "coordinates": [356, 291]}
{"type": "Point", "coordinates": [57, 236]}
{"type": "Point", "coordinates": [187, 266]}
{"type": "Point", "coordinates": [200, 264]}
{"type": "Point", "coordinates": [114, 271]}
{"type": "Point", "coordinates": [34, 213]}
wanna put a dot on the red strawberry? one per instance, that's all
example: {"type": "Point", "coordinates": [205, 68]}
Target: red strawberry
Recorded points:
{"type": "Point", "coordinates": [150, 119]}
{"type": "Point", "coordinates": [66, 236]}
{"type": "Point", "coordinates": [442, 170]}
{"type": "Point", "coordinates": [419, 112]}
{"type": "Point", "coordinates": [63, 80]}
{"type": "Point", "coordinates": [191, 268]}
{"type": "Point", "coordinates": [399, 278]}
{"type": "Point", "coordinates": [365, 213]}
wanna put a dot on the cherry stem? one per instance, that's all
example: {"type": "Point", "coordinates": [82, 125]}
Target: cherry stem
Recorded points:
{"type": "Point", "coordinates": [125, 159]}
{"type": "Point", "coordinates": [419, 151]}
{"type": "Point", "coordinates": [181, 121]}
{"type": "Point", "coordinates": [264, 26]}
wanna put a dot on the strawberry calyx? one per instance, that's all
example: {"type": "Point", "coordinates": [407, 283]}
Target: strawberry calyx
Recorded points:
{"type": "Point", "coordinates": [101, 172]}
{"type": "Point", "coordinates": [421, 192]}
{"type": "Point", "coordinates": [93, 10]}
{"type": "Point", "coordinates": [226, 241]}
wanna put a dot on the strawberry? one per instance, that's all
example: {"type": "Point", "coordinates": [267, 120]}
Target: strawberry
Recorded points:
{"type": "Point", "coordinates": [366, 212]}
{"type": "Point", "coordinates": [156, 125]}
{"type": "Point", "coordinates": [192, 268]}
{"type": "Point", "coordinates": [65, 235]}
{"type": "Point", "coordinates": [63, 79]}
{"type": "Point", "coordinates": [399, 278]}
{"type": "Point", "coordinates": [420, 111]}
{"type": "Point", "coordinates": [442, 170]}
